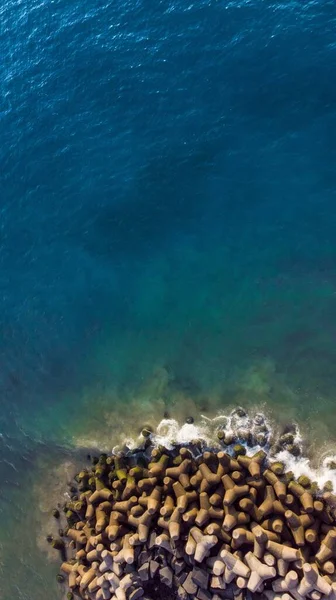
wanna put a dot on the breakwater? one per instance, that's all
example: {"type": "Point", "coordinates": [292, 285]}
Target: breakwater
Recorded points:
{"type": "Point", "coordinates": [191, 521]}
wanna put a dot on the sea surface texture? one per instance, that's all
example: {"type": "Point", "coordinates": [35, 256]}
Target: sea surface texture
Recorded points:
{"type": "Point", "coordinates": [167, 233]}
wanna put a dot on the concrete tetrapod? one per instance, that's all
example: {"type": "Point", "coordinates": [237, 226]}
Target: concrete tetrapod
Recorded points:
{"type": "Point", "coordinates": [210, 527]}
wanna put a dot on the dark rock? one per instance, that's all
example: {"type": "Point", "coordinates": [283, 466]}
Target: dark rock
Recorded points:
{"type": "Point", "coordinates": [178, 565]}
{"type": "Point", "coordinates": [153, 568]}
{"type": "Point", "coordinates": [200, 577]}
{"type": "Point", "coordinates": [161, 557]}
{"type": "Point", "coordinates": [133, 593]}
{"type": "Point", "coordinates": [56, 513]}
{"type": "Point", "coordinates": [137, 552]}
{"type": "Point", "coordinates": [144, 557]}
{"type": "Point", "coordinates": [189, 586]}
{"type": "Point", "coordinates": [178, 549]}
{"type": "Point", "coordinates": [143, 571]}
{"type": "Point", "coordinates": [204, 595]}
{"type": "Point", "coordinates": [190, 420]}
{"type": "Point", "coordinates": [59, 578]}
{"type": "Point", "coordinates": [189, 560]}
{"type": "Point", "coordinates": [181, 577]}
{"type": "Point", "coordinates": [166, 576]}
{"type": "Point", "coordinates": [155, 590]}
{"type": "Point", "coordinates": [182, 594]}
{"type": "Point", "coordinates": [128, 569]}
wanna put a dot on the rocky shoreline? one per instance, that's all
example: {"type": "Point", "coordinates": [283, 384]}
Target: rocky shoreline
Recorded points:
{"type": "Point", "coordinates": [195, 522]}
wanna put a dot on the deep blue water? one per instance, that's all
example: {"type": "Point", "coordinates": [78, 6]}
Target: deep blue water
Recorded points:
{"type": "Point", "coordinates": [167, 198]}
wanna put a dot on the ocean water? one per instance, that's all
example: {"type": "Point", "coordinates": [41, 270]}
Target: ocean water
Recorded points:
{"type": "Point", "coordinates": [167, 241]}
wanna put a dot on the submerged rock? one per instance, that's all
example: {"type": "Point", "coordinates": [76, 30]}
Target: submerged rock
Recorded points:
{"type": "Point", "coordinates": [147, 431]}
{"type": "Point", "coordinates": [238, 450]}
{"type": "Point", "coordinates": [259, 419]}
{"type": "Point", "coordinates": [304, 481]}
{"type": "Point", "coordinates": [239, 412]}
{"type": "Point", "coordinates": [294, 449]}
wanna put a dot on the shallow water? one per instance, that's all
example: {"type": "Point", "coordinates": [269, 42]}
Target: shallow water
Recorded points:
{"type": "Point", "coordinates": [167, 232]}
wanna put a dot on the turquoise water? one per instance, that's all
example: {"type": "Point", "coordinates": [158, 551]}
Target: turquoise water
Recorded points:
{"type": "Point", "coordinates": [167, 233]}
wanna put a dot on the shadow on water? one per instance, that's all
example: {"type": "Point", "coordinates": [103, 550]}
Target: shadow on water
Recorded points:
{"type": "Point", "coordinates": [171, 196]}
{"type": "Point", "coordinates": [165, 197]}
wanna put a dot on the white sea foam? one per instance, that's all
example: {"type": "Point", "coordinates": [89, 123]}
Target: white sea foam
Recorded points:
{"type": "Point", "coordinates": [245, 429]}
{"type": "Point", "coordinates": [302, 466]}
{"type": "Point", "coordinates": [170, 432]}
